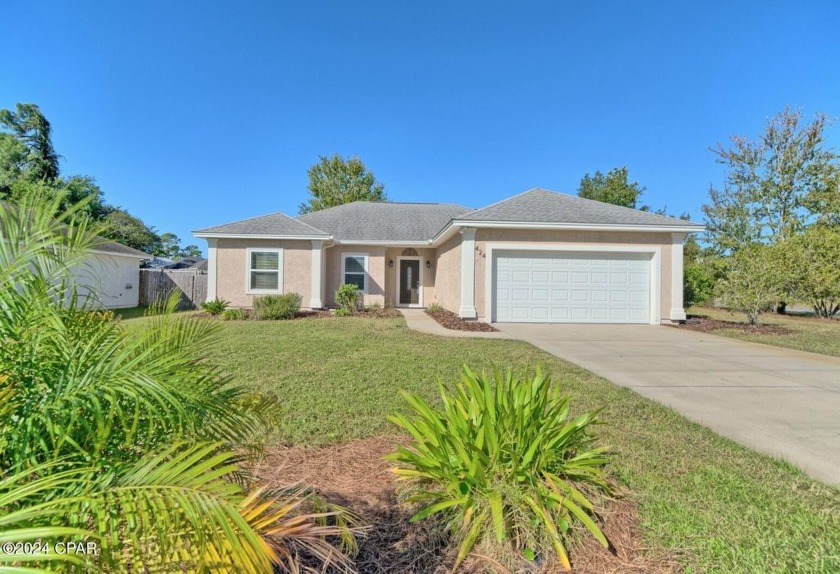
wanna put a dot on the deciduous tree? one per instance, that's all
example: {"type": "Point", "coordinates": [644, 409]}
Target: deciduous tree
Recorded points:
{"type": "Point", "coordinates": [811, 262]}
{"type": "Point", "coordinates": [122, 227]}
{"type": "Point", "coordinates": [614, 188]}
{"type": "Point", "coordinates": [772, 183]}
{"type": "Point", "coordinates": [752, 284]}
{"type": "Point", "coordinates": [335, 181]}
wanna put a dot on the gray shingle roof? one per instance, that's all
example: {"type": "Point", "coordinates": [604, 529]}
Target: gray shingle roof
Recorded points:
{"type": "Point", "coordinates": [120, 249]}
{"type": "Point", "coordinates": [388, 221]}
{"type": "Point", "coordinates": [542, 206]}
{"type": "Point", "coordinates": [271, 224]}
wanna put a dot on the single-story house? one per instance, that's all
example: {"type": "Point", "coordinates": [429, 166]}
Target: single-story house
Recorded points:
{"type": "Point", "coordinates": [539, 256]}
{"type": "Point", "coordinates": [111, 275]}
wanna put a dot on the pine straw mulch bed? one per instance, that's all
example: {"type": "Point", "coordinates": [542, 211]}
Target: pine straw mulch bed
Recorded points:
{"type": "Point", "coordinates": [365, 313]}
{"type": "Point", "coordinates": [708, 325]}
{"type": "Point", "coordinates": [377, 313]}
{"type": "Point", "coordinates": [355, 475]}
{"type": "Point", "coordinates": [452, 321]}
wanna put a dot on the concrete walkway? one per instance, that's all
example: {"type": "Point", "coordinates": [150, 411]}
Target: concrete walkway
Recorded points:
{"type": "Point", "coordinates": [418, 320]}
{"type": "Point", "coordinates": [778, 401]}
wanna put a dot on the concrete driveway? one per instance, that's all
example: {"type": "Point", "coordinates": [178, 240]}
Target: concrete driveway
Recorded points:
{"type": "Point", "coordinates": [782, 402]}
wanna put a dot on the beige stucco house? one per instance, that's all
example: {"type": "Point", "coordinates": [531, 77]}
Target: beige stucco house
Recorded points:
{"type": "Point", "coordinates": [539, 256]}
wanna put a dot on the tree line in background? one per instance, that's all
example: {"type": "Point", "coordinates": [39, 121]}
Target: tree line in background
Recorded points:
{"type": "Point", "coordinates": [773, 227]}
{"type": "Point", "coordinates": [29, 166]}
{"type": "Point", "coordinates": [774, 224]}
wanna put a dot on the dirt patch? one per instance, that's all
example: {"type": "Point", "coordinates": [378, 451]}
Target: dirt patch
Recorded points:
{"type": "Point", "coordinates": [452, 321]}
{"type": "Point", "coordinates": [377, 313]}
{"type": "Point", "coordinates": [319, 314]}
{"type": "Point", "coordinates": [706, 324]}
{"type": "Point", "coordinates": [355, 475]}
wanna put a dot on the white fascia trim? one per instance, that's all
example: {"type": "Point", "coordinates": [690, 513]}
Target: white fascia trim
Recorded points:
{"type": "Point", "coordinates": [258, 236]}
{"type": "Point", "coordinates": [655, 252]}
{"type": "Point", "coordinates": [279, 290]}
{"type": "Point", "coordinates": [386, 243]}
{"type": "Point", "coordinates": [449, 230]}
{"type": "Point", "coordinates": [580, 226]}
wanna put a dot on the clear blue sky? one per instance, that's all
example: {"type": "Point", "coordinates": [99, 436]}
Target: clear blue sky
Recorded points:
{"type": "Point", "coordinates": [191, 114]}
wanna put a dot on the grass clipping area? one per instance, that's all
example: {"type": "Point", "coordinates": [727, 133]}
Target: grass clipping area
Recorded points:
{"type": "Point", "coordinates": [713, 504]}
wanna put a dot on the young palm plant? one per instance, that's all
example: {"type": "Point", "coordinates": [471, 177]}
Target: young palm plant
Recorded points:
{"type": "Point", "coordinates": [504, 463]}
{"type": "Point", "coordinates": [130, 438]}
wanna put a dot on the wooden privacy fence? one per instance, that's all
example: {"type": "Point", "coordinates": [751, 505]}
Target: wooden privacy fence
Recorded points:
{"type": "Point", "coordinates": [159, 283]}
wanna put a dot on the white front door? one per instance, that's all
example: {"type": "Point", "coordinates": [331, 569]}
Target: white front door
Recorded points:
{"type": "Point", "coordinates": [571, 287]}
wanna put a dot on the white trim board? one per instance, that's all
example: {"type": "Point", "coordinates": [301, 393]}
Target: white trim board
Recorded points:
{"type": "Point", "coordinates": [655, 252]}
{"type": "Point", "coordinates": [452, 227]}
{"type": "Point", "coordinates": [260, 236]}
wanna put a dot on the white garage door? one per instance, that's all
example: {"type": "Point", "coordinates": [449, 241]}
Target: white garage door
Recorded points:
{"type": "Point", "coordinates": [567, 287]}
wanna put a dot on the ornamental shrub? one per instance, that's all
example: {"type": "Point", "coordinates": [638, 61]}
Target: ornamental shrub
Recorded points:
{"type": "Point", "coordinates": [504, 464]}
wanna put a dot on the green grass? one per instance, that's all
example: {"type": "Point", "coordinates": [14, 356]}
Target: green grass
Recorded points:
{"type": "Point", "coordinates": [808, 333]}
{"type": "Point", "coordinates": [721, 507]}
{"type": "Point", "coordinates": [131, 312]}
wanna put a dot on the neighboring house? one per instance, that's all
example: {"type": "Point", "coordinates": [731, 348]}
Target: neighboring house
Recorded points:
{"type": "Point", "coordinates": [196, 263]}
{"type": "Point", "coordinates": [539, 256]}
{"type": "Point", "coordinates": [112, 275]}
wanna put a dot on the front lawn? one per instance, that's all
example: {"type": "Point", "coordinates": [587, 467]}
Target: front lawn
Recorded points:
{"type": "Point", "coordinates": [717, 506]}
{"type": "Point", "coordinates": [802, 333]}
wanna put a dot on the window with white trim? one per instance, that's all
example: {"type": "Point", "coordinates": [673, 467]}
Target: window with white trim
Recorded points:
{"type": "Point", "coordinates": [354, 267]}
{"type": "Point", "coordinates": [265, 270]}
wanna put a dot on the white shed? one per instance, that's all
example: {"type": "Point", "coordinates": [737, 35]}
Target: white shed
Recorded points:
{"type": "Point", "coordinates": [112, 275]}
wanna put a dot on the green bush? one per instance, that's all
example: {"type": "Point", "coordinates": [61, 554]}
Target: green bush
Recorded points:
{"type": "Point", "coordinates": [130, 437]}
{"type": "Point", "coordinates": [342, 312]}
{"type": "Point", "coordinates": [347, 297]}
{"type": "Point", "coordinates": [504, 463]}
{"type": "Point", "coordinates": [435, 307]}
{"type": "Point", "coordinates": [215, 307]}
{"type": "Point", "coordinates": [233, 315]}
{"type": "Point", "coordinates": [753, 283]}
{"type": "Point", "coordinates": [271, 307]}
{"type": "Point", "coordinates": [698, 284]}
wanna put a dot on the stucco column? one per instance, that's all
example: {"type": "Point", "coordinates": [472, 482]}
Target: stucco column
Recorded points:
{"type": "Point", "coordinates": [317, 275]}
{"type": "Point", "coordinates": [677, 311]}
{"type": "Point", "coordinates": [211, 269]}
{"type": "Point", "coordinates": [467, 310]}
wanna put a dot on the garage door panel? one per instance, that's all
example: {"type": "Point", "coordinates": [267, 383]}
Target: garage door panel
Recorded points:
{"type": "Point", "coordinates": [580, 296]}
{"type": "Point", "coordinates": [571, 287]}
{"type": "Point", "coordinates": [559, 295]}
{"type": "Point", "coordinates": [520, 294]}
{"type": "Point", "coordinates": [619, 278]}
{"type": "Point", "coordinates": [559, 314]}
{"type": "Point", "coordinates": [599, 296]}
{"type": "Point", "coordinates": [540, 277]}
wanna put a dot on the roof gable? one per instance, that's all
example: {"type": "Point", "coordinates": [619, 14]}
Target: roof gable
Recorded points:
{"type": "Point", "coordinates": [274, 224]}
{"type": "Point", "coordinates": [542, 206]}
